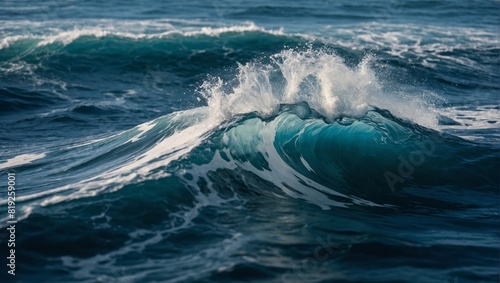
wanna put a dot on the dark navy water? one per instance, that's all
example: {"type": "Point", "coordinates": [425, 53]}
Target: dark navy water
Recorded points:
{"type": "Point", "coordinates": [251, 141]}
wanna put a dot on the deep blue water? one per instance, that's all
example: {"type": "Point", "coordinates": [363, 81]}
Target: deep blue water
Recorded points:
{"type": "Point", "coordinates": [251, 141]}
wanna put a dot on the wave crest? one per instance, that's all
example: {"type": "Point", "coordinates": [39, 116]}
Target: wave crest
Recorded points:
{"type": "Point", "coordinates": [321, 79]}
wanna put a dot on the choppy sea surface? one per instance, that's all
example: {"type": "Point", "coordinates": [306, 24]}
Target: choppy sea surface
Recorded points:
{"type": "Point", "coordinates": [250, 141]}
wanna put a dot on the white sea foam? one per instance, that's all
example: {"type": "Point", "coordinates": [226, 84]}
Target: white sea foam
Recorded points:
{"type": "Point", "coordinates": [471, 119]}
{"type": "Point", "coordinates": [67, 37]}
{"type": "Point", "coordinates": [105, 267]}
{"type": "Point", "coordinates": [21, 160]}
{"type": "Point", "coordinates": [143, 166]}
{"type": "Point", "coordinates": [322, 80]}
{"type": "Point", "coordinates": [429, 44]}
{"type": "Point", "coordinates": [209, 31]}
{"type": "Point", "coordinates": [143, 128]}
{"type": "Point", "coordinates": [7, 41]}
{"type": "Point", "coordinates": [140, 30]}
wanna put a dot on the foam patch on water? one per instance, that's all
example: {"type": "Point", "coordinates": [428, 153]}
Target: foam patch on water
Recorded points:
{"type": "Point", "coordinates": [67, 37]}
{"type": "Point", "coordinates": [143, 128]}
{"type": "Point", "coordinates": [428, 45]}
{"type": "Point", "coordinates": [481, 117]}
{"type": "Point", "coordinates": [209, 31]}
{"type": "Point", "coordinates": [22, 159]}
{"type": "Point", "coordinates": [108, 268]}
{"type": "Point", "coordinates": [467, 120]}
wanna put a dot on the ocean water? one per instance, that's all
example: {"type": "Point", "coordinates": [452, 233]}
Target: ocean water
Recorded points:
{"type": "Point", "coordinates": [250, 141]}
